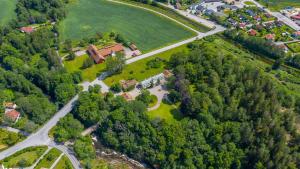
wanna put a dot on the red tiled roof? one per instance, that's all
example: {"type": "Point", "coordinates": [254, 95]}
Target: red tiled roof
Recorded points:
{"type": "Point", "coordinates": [297, 33]}
{"type": "Point", "coordinates": [13, 115]}
{"type": "Point", "coordinates": [27, 29]}
{"type": "Point", "coordinates": [110, 49]}
{"type": "Point", "coordinates": [270, 36]}
{"type": "Point", "coordinates": [95, 54]}
{"type": "Point", "coordinates": [296, 16]}
{"type": "Point", "coordinates": [252, 32]}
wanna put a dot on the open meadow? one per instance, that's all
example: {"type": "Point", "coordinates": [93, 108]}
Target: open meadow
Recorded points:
{"type": "Point", "coordinates": [277, 5]}
{"type": "Point", "coordinates": [147, 30]}
{"type": "Point", "coordinates": [7, 12]}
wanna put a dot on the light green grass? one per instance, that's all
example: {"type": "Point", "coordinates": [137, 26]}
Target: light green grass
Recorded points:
{"type": "Point", "coordinates": [153, 101]}
{"type": "Point", "coordinates": [295, 47]}
{"type": "Point", "coordinates": [138, 71]}
{"type": "Point", "coordinates": [249, 3]}
{"type": "Point", "coordinates": [8, 139]}
{"type": "Point", "coordinates": [277, 5]}
{"type": "Point", "coordinates": [48, 159]}
{"type": "Point", "coordinates": [7, 12]}
{"type": "Point", "coordinates": [167, 112]}
{"type": "Point", "coordinates": [29, 155]}
{"type": "Point", "coordinates": [88, 74]}
{"type": "Point", "coordinates": [147, 30]}
{"type": "Point", "coordinates": [64, 163]}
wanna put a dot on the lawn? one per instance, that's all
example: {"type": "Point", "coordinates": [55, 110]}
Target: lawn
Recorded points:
{"type": "Point", "coordinates": [295, 47]}
{"type": "Point", "coordinates": [167, 112]}
{"type": "Point", "coordinates": [88, 74]}
{"type": "Point", "coordinates": [138, 70]}
{"type": "Point", "coordinates": [147, 30]}
{"type": "Point", "coordinates": [7, 12]}
{"type": "Point", "coordinates": [277, 5]}
{"type": "Point", "coordinates": [249, 3]}
{"type": "Point", "coordinates": [64, 163]}
{"type": "Point", "coordinates": [24, 158]}
{"type": "Point", "coordinates": [8, 139]}
{"type": "Point", "coordinates": [48, 159]}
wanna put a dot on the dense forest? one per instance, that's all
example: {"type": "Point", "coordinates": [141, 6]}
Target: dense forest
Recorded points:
{"type": "Point", "coordinates": [31, 74]}
{"type": "Point", "coordinates": [234, 117]}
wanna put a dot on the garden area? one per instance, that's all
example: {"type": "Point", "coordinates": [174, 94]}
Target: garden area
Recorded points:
{"type": "Point", "coordinates": [146, 29]}
{"type": "Point", "coordinates": [7, 12]}
{"type": "Point", "coordinates": [145, 68]}
{"type": "Point", "coordinates": [294, 47]}
{"type": "Point", "coordinates": [24, 158]}
{"type": "Point", "coordinates": [48, 159]}
{"type": "Point", "coordinates": [88, 74]}
{"type": "Point", "coordinates": [8, 139]}
{"type": "Point", "coordinates": [167, 112]}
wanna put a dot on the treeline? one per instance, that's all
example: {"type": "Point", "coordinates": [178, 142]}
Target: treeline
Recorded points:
{"type": "Point", "coordinates": [39, 11]}
{"type": "Point", "coordinates": [31, 71]}
{"type": "Point", "coordinates": [234, 117]}
{"type": "Point", "coordinates": [257, 44]}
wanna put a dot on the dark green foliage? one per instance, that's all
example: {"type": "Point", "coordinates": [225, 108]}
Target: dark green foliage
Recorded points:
{"type": "Point", "coordinates": [84, 148]}
{"type": "Point", "coordinates": [67, 128]}
{"type": "Point", "coordinates": [117, 88]}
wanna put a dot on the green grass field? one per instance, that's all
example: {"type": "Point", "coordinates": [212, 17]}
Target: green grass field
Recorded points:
{"type": "Point", "coordinates": [7, 12]}
{"type": "Point", "coordinates": [138, 71]}
{"type": "Point", "coordinates": [64, 163]}
{"type": "Point", "coordinates": [167, 112]}
{"type": "Point", "coordinates": [295, 47]}
{"type": "Point", "coordinates": [48, 159]}
{"type": "Point", "coordinates": [26, 157]}
{"type": "Point", "coordinates": [147, 30]}
{"type": "Point", "coordinates": [88, 74]}
{"type": "Point", "coordinates": [277, 5]}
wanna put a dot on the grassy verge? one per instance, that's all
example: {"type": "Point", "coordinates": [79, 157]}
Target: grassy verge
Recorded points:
{"type": "Point", "coordinates": [7, 10]}
{"type": "Point", "coordinates": [172, 14]}
{"type": "Point", "coordinates": [8, 139]}
{"type": "Point", "coordinates": [64, 163]}
{"type": "Point", "coordinates": [48, 159]}
{"type": "Point", "coordinates": [139, 71]}
{"type": "Point", "coordinates": [24, 158]}
{"type": "Point", "coordinates": [88, 74]}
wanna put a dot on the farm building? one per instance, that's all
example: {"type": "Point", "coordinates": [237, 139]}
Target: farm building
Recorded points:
{"type": "Point", "coordinates": [99, 55]}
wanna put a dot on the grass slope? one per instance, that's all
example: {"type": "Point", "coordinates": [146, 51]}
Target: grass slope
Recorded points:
{"type": "Point", "coordinates": [7, 10]}
{"type": "Point", "coordinates": [146, 29]}
{"type": "Point", "coordinates": [48, 159]}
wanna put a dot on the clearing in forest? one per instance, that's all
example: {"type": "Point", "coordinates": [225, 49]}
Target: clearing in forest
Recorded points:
{"type": "Point", "coordinates": [7, 12]}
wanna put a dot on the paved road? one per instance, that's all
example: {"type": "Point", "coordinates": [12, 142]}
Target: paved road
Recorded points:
{"type": "Point", "coordinates": [41, 136]}
{"type": "Point", "coordinates": [279, 16]}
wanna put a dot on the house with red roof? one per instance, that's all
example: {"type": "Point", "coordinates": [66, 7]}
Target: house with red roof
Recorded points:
{"type": "Point", "coordinates": [252, 32]}
{"type": "Point", "coordinates": [27, 29]}
{"type": "Point", "coordinates": [296, 17]}
{"type": "Point", "coordinates": [296, 34]}
{"type": "Point", "coordinates": [270, 37]}
{"type": "Point", "coordinates": [242, 25]}
{"type": "Point", "coordinates": [13, 115]}
{"type": "Point", "coordinates": [99, 56]}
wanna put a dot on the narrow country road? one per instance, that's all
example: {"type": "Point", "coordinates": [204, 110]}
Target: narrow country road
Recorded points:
{"type": "Point", "coordinates": [41, 136]}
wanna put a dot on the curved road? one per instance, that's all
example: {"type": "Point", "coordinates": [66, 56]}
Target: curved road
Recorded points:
{"type": "Point", "coordinates": [41, 136]}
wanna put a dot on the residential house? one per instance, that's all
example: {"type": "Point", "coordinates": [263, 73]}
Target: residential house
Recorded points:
{"type": "Point", "coordinates": [242, 25]}
{"type": "Point", "coordinates": [127, 96]}
{"type": "Point", "coordinates": [270, 37]}
{"type": "Point", "coordinates": [152, 81]}
{"type": "Point", "coordinates": [13, 115]}
{"type": "Point", "coordinates": [252, 32]}
{"type": "Point", "coordinates": [27, 29]}
{"type": "Point", "coordinates": [9, 105]}
{"type": "Point", "coordinates": [296, 34]}
{"type": "Point", "coordinates": [296, 17]}
{"type": "Point", "coordinates": [99, 56]}
{"type": "Point", "coordinates": [128, 84]}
